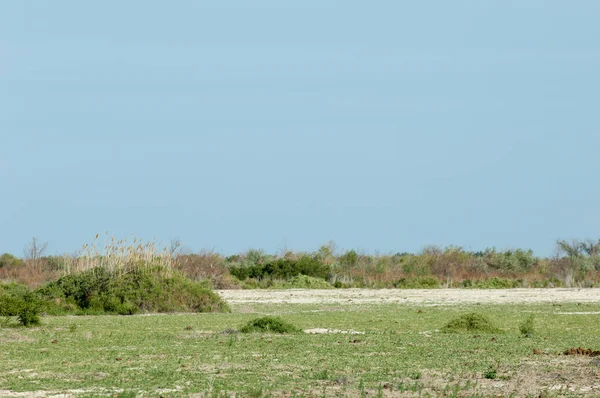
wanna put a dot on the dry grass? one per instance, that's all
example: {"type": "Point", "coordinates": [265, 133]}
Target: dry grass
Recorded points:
{"type": "Point", "coordinates": [120, 256]}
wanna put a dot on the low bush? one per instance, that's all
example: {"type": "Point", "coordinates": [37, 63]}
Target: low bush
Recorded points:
{"type": "Point", "coordinates": [497, 283]}
{"type": "Point", "coordinates": [207, 266]}
{"type": "Point", "coordinates": [269, 324]}
{"type": "Point", "coordinates": [425, 282]}
{"type": "Point", "coordinates": [29, 310]}
{"type": "Point", "coordinates": [527, 328]}
{"type": "Point", "coordinates": [17, 301]}
{"type": "Point", "coordinates": [8, 260]}
{"type": "Point", "coordinates": [283, 268]}
{"type": "Point", "coordinates": [472, 322]}
{"type": "Point", "coordinates": [305, 282]}
{"type": "Point", "coordinates": [156, 290]}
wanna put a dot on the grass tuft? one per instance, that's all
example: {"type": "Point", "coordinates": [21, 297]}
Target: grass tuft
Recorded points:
{"type": "Point", "coordinates": [527, 328]}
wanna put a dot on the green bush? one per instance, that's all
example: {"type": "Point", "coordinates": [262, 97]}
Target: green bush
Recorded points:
{"type": "Point", "coordinates": [425, 282]}
{"type": "Point", "coordinates": [283, 268]}
{"type": "Point", "coordinates": [29, 310]}
{"type": "Point", "coordinates": [527, 328]}
{"type": "Point", "coordinates": [269, 324]}
{"type": "Point", "coordinates": [518, 260]}
{"type": "Point", "coordinates": [491, 373]}
{"type": "Point", "coordinates": [305, 282]}
{"type": "Point", "coordinates": [471, 322]}
{"type": "Point", "coordinates": [8, 260]}
{"type": "Point", "coordinates": [350, 258]}
{"type": "Point", "coordinates": [17, 300]}
{"type": "Point", "coordinates": [497, 283]}
{"type": "Point", "coordinates": [155, 290]}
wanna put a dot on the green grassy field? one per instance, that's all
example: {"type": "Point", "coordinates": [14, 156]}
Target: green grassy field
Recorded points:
{"type": "Point", "coordinates": [400, 353]}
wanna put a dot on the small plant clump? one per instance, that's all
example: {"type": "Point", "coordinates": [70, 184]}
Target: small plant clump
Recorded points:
{"type": "Point", "coordinates": [472, 322]}
{"type": "Point", "coordinates": [269, 324]}
{"type": "Point", "coordinates": [491, 373]}
{"type": "Point", "coordinates": [527, 328]}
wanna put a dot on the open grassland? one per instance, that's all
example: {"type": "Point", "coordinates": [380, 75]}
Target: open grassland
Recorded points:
{"type": "Point", "coordinates": [393, 348]}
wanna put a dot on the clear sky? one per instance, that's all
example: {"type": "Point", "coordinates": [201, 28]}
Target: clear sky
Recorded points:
{"type": "Point", "coordinates": [383, 125]}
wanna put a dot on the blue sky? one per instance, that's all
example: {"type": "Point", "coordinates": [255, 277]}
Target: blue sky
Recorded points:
{"type": "Point", "coordinates": [383, 126]}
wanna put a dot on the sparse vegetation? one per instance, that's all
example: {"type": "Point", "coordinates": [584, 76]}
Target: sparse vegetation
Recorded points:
{"type": "Point", "coordinates": [399, 354]}
{"type": "Point", "coordinates": [305, 282]}
{"type": "Point", "coordinates": [576, 265]}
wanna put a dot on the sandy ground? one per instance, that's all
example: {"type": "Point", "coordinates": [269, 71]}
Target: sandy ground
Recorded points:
{"type": "Point", "coordinates": [410, 296]}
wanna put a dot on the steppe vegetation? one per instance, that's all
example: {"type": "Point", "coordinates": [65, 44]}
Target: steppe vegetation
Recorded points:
{"type": "Point", "coordinates": [385, 350]}
{"type": "Point", "coordinates": [53, 342]}
{"type": "Point", "coordinates": [575, 264]}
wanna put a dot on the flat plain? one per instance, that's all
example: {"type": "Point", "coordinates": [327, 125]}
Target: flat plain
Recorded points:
{"type": "Point", "coordinates": [360, 343]}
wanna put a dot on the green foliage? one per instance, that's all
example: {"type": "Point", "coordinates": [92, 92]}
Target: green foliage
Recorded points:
{"type": "Point", "coordinates": [510, 260]}
{"type": "Point", "coordinates": [13, 289]}
{"type": "Point", "coordinates": [269, 324]}
{"type": "Point", "coordinates": [471, 322]}
{"type": "Point", "coordinates": [425, 282]}
{"type": "Point", "coordinates": [350, 258]}
{"type": "Point", "coordinates": [100, 291]}
{"type": "Point", "coordinates": [495, 283]}
{"type": "Point", "coordinates": [29, 311]}
{"type": "Point", "coordinates": [283, 268]}
{"type": "Point", "coordinates": [8, 260]}
{"type": "Point", "coordinates": [17, 300]}
{"type": "Point", "coordinates": [491, 373]}
{"type": "Point", "coordinates": [305, 282]}
{"type": "Point", "coordinates": [527, 327]}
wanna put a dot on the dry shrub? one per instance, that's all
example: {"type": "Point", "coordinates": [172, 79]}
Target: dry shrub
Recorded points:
{"type": "Point", "coordinates": [582, 351]}
{"type": "Point", "coordinates": [29, 274]}
{"type": "Point", "coordinates": [207, 265]}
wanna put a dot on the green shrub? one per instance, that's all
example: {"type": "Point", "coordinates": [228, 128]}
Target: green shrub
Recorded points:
{"type": "Point", "coordinates": [497, 283]}
{"type": "Point", "coordinates": [8, 260]}
{"type": "Point", "coordinates": [9, 305]}
{"type": "Point", "coordinates": [305, 282]}
{"type": "Point", "coordinates": [155, 290]}
{"type": "Point", "coordinates": [29, 310]}
{"type": "Point", "coordinates": [283, 268]}
{"type": "Point", "coordinates": [269, 324]}
{"type": "Point", "coordinates": [425, 282]}
{"type": "Point", "coordinates": [17, 300]}
{"type": "Point", "coordinates": [491, 373]}
{"type": "Point", "coordinates": [527, 327]}
{"type": "Point", "coordinates": [13, 289]}
{"type": "Point", "coordinates": [350, 258]}
{"type": "Point", "coordinates": [471, 322]}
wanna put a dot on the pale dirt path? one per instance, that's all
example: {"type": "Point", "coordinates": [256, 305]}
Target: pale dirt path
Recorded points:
{"type": "Point", "coordinates": [411, 296]}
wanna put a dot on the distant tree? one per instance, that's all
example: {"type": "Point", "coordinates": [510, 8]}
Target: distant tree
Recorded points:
{"type": "Point", "coordinates": [8, 260]}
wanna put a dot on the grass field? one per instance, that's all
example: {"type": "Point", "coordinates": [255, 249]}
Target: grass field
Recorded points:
{"type": "Point", "coordinates": [399, 351]}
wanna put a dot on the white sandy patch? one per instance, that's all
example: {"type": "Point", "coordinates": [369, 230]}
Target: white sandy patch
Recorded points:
{"type": "Point", "coordinates": [578, 313]}
{"type": "Point", "coordinates": [328, 331]}
{"type": "Point", "coordinates": [412, 296]}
